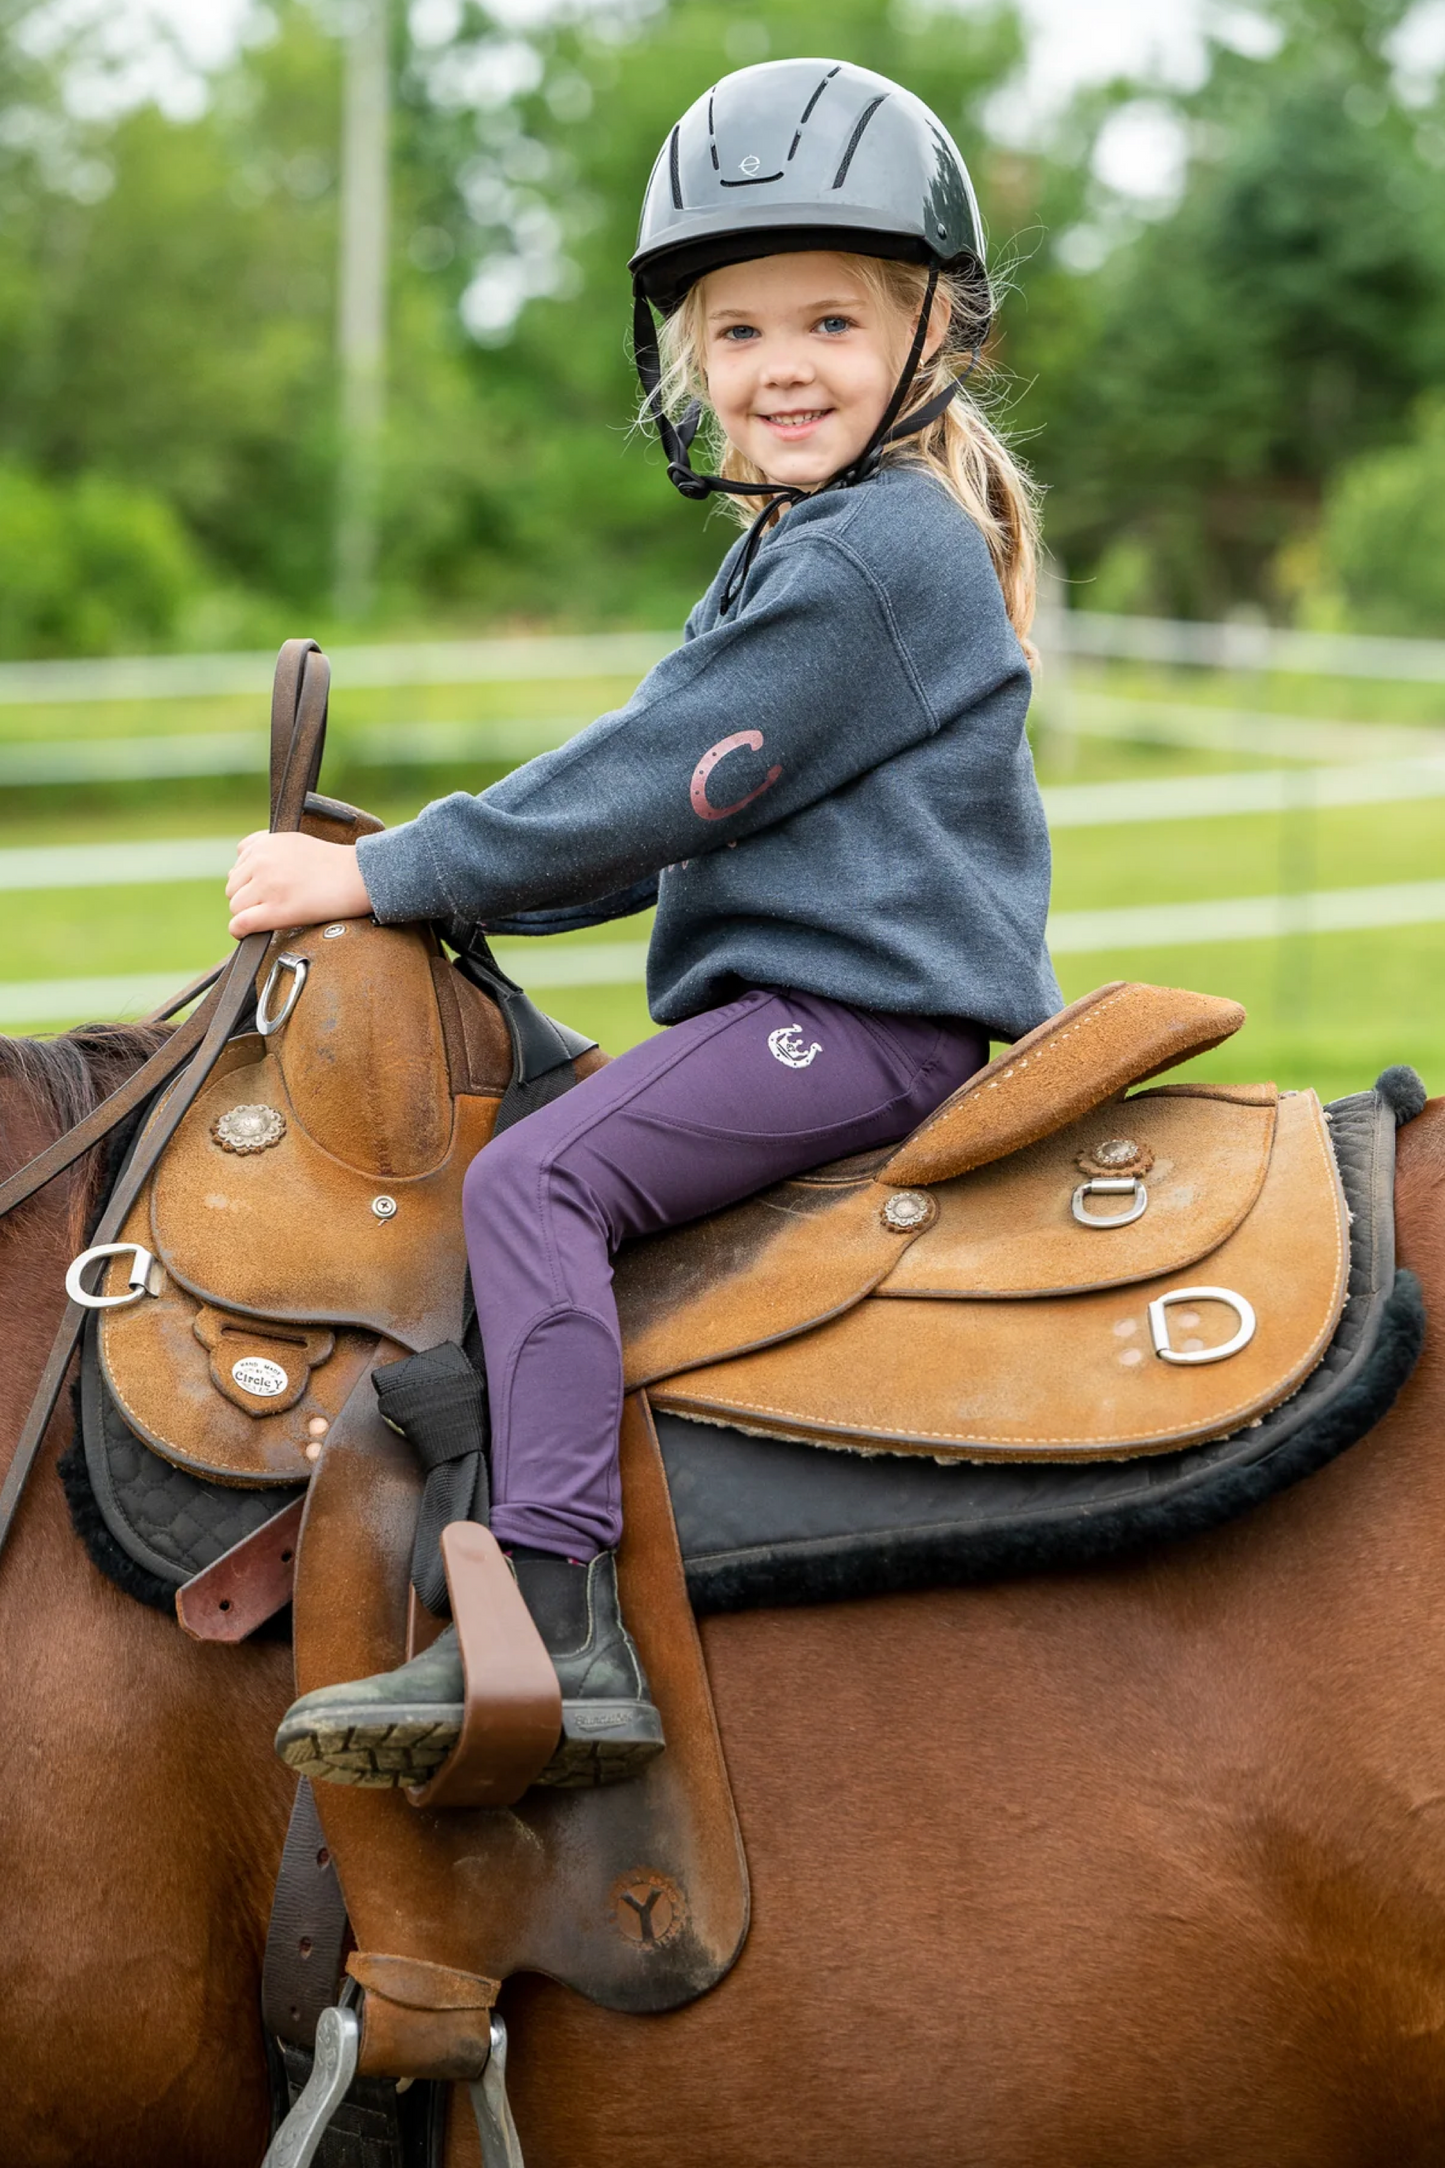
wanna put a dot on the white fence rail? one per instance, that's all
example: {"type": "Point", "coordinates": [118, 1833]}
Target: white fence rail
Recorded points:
{"type": "Point", "coordinates": [1068, 805]}
{"type": "Point", "coordinates": [1242, 647]}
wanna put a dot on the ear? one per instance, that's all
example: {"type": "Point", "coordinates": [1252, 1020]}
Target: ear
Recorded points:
{"type": "Point", "coordinates": [940, 317]}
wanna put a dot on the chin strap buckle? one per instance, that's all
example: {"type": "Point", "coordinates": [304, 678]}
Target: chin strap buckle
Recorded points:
{"type": "Point", "coordinates": [689, 484]}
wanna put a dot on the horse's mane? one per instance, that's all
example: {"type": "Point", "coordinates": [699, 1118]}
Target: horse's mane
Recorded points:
{"type": "Point", "coordinates": [63, 1079]}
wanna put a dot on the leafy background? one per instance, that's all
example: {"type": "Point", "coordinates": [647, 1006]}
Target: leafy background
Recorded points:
{"type": "Point", "coordinates": [1233, 390]}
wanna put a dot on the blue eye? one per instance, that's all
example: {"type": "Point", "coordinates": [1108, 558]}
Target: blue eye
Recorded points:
{"type": "Point", "coordinates": [739, 332]}
{"type": "Point", "coordinates": [833, 325]}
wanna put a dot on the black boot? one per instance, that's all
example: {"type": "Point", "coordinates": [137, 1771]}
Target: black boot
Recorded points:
{"type": "Point", "coordinates": [610, 1725]}
{"type": "Point", "coordinates": [399, 1726]}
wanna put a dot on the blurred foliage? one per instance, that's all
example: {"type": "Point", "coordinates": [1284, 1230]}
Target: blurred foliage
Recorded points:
{"type": "Point", "coordinates": [1283, 319]}
{"type": "Point", "coordinates": [1382, 543]}
{"type": "Point", "coordinates": [1194, 377]}
{"type": "Point", "coordinates": [88, 567]}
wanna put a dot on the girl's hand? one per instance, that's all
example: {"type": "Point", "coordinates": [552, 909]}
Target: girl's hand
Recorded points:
{"type": "Point", "coordinates": [293, 880]}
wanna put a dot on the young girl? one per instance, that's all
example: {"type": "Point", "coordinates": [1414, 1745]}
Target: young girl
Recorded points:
{"type": "Point", "coordinates": [826, 789]}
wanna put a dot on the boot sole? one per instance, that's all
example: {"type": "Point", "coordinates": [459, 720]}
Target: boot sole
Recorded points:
{"type": "Point", "coordinates": [602, 1742]}
{"type": "Point", "coordinates": [403, 1745]}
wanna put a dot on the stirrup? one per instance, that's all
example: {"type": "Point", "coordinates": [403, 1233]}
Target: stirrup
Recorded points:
{"type": "Point", "coordinates": [501, 2147]}
{"type": "Point", "coordinates": [338, 2038]}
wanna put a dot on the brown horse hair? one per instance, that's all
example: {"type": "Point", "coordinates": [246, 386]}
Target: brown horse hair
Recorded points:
{"type": "Point", "coordinates": [63, 1079]}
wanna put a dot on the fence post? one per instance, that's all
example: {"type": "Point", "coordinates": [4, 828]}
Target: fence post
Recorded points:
{"type": "Point", "coordinates": [361, 302]}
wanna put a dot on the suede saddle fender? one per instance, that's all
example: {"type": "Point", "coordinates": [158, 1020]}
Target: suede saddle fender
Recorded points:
{"type": "Point", "coordinates": [1047, 1268]}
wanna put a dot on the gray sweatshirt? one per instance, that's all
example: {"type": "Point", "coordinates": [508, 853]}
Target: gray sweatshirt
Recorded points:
{"type": "Point", "coordinates": [828, 789]}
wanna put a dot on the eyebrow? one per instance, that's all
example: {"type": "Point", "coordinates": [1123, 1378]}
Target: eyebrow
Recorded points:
{"type": "Point", "coordinates": [814, 308]}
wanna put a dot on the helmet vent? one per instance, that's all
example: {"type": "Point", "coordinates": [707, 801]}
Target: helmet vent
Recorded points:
{"type": "Point", "coordinates": [854, 140]}
{"type": "Point", "coordinates": [712, 135]}
{"type": "Point", "coordinates": [807, 112]}
{"type": "Point", "coordinates": [817, 94]}
{"type": "Point", "coordinates": [672, 160]}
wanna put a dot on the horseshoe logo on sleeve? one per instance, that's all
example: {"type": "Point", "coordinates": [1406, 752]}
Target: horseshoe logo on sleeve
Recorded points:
{"type": "Point", "coordinates": [697, 793]}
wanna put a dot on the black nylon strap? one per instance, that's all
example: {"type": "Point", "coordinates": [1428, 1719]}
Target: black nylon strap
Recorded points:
{"type": "Point", "coordinates": [439, 1404]}
{"type": "Point", "coordinates": [306, 1938]}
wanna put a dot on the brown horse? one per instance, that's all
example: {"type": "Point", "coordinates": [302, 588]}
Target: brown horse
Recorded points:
{"type": "Point", "coordinates": [1141, 1867]}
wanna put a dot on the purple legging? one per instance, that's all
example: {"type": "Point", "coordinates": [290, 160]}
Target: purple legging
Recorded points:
{"type": "Point", "coordinates": [698, 1117]}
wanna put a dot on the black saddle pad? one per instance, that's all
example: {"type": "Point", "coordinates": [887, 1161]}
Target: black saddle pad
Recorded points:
{"type": "Point", "coordinates": [768, 1521]}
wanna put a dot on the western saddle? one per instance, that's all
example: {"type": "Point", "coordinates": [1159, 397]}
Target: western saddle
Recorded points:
{"type": "Point", "coordinates": [1054, 1266]}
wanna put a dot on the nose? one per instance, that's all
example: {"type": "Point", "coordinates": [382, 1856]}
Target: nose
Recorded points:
{"type": "Point", "coordinates": [787, 362]}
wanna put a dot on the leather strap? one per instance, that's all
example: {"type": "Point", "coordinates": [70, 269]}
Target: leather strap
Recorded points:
{"type": "Point", "coordinates": [111, 1112]}
{"type": "Point", "coordinates": [511, 1699]}
{"type": "Point", "coordinates": [301, 691]}
{"type": "Point", "coordinates": [246, 1585]}
{"type": "Point", "coordinates": [306, 1939]}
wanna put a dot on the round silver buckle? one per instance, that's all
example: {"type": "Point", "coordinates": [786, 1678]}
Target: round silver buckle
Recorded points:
{"type": "Point", "coordinates": [298, 966]}
{"type": "Point", "coordinates": [1159, 1324]}
{"type": "Point", "coordinates": [1111, 1185]}
{"type": "Point", "coordinates": [144, 1278]}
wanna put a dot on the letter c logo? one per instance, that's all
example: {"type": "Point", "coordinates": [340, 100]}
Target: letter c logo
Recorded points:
{"type": "Point", "coordinates": [753, 739]}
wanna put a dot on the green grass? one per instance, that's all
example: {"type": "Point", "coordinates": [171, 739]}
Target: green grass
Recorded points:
{"type": "Point", "coordinates": [1328, 1011]}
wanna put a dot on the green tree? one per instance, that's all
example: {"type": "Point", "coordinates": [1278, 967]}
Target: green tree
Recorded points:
{"type": "Point", "coordinates": [1282, 320]}
{"type": "Point", "coordinates": [1382, 535]}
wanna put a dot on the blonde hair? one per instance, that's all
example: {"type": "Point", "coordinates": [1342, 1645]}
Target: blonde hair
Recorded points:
{"type": "Point", "coordinates": [962, 448]}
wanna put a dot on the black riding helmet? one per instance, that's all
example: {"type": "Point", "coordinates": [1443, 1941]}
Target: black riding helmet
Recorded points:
{"type": "Point", "coordinates": [805, 154]}
{"type": "Point", "coordinates": [797, 155]}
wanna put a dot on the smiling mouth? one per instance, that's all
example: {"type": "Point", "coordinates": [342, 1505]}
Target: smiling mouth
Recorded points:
{"type": "Point", "coordinates": [803, 418]}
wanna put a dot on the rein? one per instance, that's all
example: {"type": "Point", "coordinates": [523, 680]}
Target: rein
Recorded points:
{"type": "Point", "coordinates": [298, 734]}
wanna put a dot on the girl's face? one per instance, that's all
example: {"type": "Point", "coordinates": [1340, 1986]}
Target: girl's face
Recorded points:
{"type": "Point", "coordinates": [801, 360]}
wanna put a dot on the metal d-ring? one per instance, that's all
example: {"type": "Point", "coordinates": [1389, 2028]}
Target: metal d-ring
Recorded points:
{"type": "Point", "coordinates": [1111, 1185]}
{"type": "Point", "coordinates": [144, 1272]}
{"type": "Point", "coordinates": [298, 966]}
{"type": "Point", "coordinates": [1159, 1324]}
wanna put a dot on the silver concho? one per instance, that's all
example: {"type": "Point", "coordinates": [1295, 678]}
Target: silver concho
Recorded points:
{"type": "Point", "coordinates": [1116, 1151]}
{"type": "Point", "coordinates": [249, 1129]}
{"type": "Point", "coordinates": [907, 1210]}
{"type": "Point", "coordinates": [1116, 1155]}
{"type": "Point", "coordinates": [254, 1374]}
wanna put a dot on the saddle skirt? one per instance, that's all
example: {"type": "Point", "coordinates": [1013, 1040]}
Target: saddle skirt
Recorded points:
{"type": "Point", "coordinates": [1026, 1309]}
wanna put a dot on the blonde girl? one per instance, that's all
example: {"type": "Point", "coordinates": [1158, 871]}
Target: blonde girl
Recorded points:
{"type": "Point", "coordinates": [826, 790]}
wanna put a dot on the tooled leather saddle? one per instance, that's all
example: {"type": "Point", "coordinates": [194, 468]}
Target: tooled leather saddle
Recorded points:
{"type": "Point", "coordinates": [1044, 1270]}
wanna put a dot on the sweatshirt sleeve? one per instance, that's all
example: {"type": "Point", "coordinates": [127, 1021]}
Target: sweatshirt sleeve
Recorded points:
{"type": "Point", "coordinates": [569, 917]}
{"type": "Point", "coordinates": [806, 688]}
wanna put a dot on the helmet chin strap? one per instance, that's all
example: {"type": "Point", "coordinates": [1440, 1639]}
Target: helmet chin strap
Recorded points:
{"type": "Point", "coordinates": [677, 437]}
